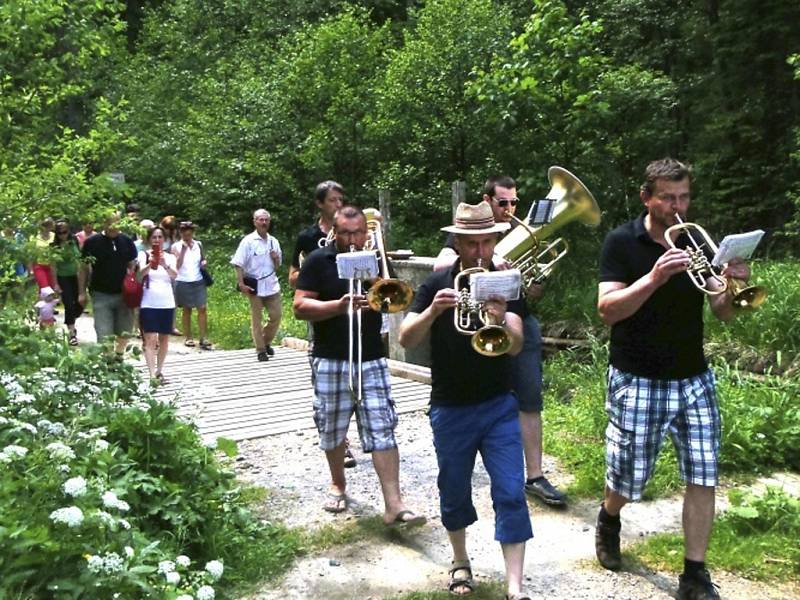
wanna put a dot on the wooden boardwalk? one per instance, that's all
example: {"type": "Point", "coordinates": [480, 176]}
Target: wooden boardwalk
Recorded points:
{"type": "Point", "coordinates": [232, 395]}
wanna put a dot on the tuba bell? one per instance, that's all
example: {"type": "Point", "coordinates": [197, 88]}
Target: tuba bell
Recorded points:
{"type": "Point", "coordinates": [701, 270]}
{"type": "Point", "coordinates": [522, 246]}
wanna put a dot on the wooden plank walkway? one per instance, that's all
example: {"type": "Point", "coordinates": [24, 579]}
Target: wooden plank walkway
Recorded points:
{"type": "Point", "coordinates": [232, 395]}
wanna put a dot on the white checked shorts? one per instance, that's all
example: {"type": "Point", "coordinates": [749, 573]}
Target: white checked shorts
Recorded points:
{"type": "Point", "coordinates": [334, 405]}
{"type": "Point", "coordinates": [641, 411]}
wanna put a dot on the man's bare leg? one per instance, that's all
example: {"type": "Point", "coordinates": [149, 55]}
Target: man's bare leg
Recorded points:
{"type": "Point", "coordinates": [514, 556]}
{"type": "Point", "coordinates": [335, 459]}
{"type": "Point", "coordinates": [698, 519]}
{"type": "Point", "coordinates": [458, 541]}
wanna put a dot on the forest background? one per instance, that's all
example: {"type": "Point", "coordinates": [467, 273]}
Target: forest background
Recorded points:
{"type": "Point", "coordinates": [213, 108]}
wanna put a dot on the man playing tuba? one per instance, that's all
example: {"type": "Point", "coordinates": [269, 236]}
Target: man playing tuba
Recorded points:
{"type": "Point", "coordinates": [658, 378]}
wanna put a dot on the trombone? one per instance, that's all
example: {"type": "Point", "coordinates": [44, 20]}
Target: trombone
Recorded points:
{"type": "Point", "coordinates": [701, 270]}
{"type": "Point", "coordinates": [387, 295]}
{"type": "Point", "coordinates": [470, 318]}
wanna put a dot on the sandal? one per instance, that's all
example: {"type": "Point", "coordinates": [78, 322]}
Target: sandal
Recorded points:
{"type": "Point", "coordinates": [73, 340]}
{"type": "Point", "coordinates": [205, 344]}
{"type": "Point", "coordinates": [190, 343]}
{"type": "Point", "coordinates": [335, 503]}
{"type": "Point", "coordinates": [460, 582]}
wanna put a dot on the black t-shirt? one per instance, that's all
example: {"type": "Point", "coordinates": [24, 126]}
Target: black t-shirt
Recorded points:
{"type": "Point", "coordinates": [307, 242]}
{"type": "Point", "coordinates": [459, 375]}
{"type": "Point", "coordinates": [664, 338]}
{"type": "Point", "coordinates": [331, 338]}
{"type": "Point", "coordinates": [111, 259]}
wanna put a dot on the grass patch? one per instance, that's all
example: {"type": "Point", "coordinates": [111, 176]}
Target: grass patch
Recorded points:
{"type": "Point", "coordinates": [756, 538]}
{"type": "Point", "coordinates": [485, 590]}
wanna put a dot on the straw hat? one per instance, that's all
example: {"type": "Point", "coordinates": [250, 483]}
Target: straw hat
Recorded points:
{"type": "Point", "coordinates": [475, 219]}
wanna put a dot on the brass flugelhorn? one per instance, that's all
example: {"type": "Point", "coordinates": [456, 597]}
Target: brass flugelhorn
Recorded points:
{"type": "Point", "coordinates": [701, 270]}
{"type": "Point", "coordinates": [523, 246]}
{"type": "Point", "coordinates": [470, 318]}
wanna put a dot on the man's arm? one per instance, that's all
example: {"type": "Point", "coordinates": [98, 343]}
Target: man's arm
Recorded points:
{"type": "Point", "coordinates": [617, 301]}
{"type": "Point", "coordinates": [245, 289]}
{"type": "Point", "coordinates": [294, 273]}
{"type": "Point", "coordinates": [308, 307]}
{"type": "Point", "coordinates": [447, 256]}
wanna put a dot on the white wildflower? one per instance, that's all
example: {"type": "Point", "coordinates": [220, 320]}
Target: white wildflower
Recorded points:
{"type": "Point", "coordinates": [100, 445]}
{"type": "Point", "coordinates": [106, 519]}
{"type": "Point", "coordinates": [113, 563]}
{"type": "Point", "coordinates": [183, 560]}
{"type": "Point", "coordinates": [64, 468]}
{"type": "Point", "coordinates": [166, 566]}
{"type": "Point", "coordinates": [205, 593]}
{"type": "Point", "coordinates": [215, 569]}
{"type": "Point", "coordinates": [4, 459]}
{"type": "Point", "coordinates": [14, 451]}
{"type": "Point", "coordinates": [184, 597]}
{"type": "Point", "coordinates": [124, 524]}
{"type": "Point", "coordinates": [3, 421]}
{"type": "Point", "coordinates": [71, 516]}
{"type": "Point", "coordinates": [211, 444]}
{"type": "Point", "coordinates": [56, 428]}
{"type": "Point", "coordinates": [24, 398]}
{"type": "Point", "coordinates": [26, 427]}
{"type": "Point", "coordinates": [95, 564]}
{"type": "Point", "coordinates": [129, 551]}
{"type": "Point", "coordinates": [110, 500]}
{"type": "Point", "coordinates": [60, 451]}
{"type": "Point", "coordinates": [75, 486]}
{"type": "Point", "coordinates": [173, 577]}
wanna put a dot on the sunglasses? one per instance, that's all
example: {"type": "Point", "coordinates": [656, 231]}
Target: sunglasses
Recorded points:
{"type": "Point", "coordinates": [504, 203]}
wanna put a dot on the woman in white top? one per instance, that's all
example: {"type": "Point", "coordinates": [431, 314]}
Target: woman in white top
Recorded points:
{"type": "Point", "coordinates": [157, 270]}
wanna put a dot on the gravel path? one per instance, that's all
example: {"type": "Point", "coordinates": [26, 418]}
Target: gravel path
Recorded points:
{"type": "Point", "coordinates": [559, 560]}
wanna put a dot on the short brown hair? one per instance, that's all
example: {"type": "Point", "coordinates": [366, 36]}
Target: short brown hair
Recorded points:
{"type": "Point", "coordinates": [664, 168]}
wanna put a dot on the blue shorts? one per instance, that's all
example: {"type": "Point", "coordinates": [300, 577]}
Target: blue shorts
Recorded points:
{"type": "Point", "coordinates": [334, 405]}
{"type": "Point", "coordinates": [641, 411]}
{"type": "Point", "coordinates": [491, 428]}
{"type": "Point", "coordinates": [526, 368]}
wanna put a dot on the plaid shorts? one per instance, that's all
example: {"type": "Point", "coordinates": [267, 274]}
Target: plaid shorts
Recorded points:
{"type": "Point", "coordinates": [641, 411]}
{"type": "Point", "coordinates": [334, 404]}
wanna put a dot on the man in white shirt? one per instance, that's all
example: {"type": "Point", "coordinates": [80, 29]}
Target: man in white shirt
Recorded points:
{"type": "Point", "coordinates": [256, 261]}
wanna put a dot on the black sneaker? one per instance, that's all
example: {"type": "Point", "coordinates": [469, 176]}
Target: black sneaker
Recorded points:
{"type": "Point", "coordinates": [606, 545]}
{"type": "Point", "coordinates": [542, 489]}
{"type": "Point", "coordinates": [270, 351]}
{"type": "Point", "coordinates": [697, 587]}
{"type": "Point", "coordinates": [263, 356]}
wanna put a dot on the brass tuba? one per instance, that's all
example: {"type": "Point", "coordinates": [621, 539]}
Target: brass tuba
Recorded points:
{"type": "Point", "coordinates": [700, 269]}
{"type": "Point", "coordinates": [387, 295]}
{"type": "Point", "coordinates": [522, 246]}
{"type": "Point", "coordinates": [469, 318]}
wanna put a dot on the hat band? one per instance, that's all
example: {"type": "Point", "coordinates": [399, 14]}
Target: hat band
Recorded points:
{"type": "Point", "coordinates": [474, 223]}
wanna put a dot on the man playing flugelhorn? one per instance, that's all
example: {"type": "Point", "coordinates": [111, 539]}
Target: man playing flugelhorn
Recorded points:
{"type": "Point", "coordinates": [658, 379]}
{"type": "Point", "coordinates": [473, 407]}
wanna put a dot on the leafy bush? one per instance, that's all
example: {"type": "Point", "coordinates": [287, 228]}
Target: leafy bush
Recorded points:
{"type": "Point", "coordinates": [105, 491]}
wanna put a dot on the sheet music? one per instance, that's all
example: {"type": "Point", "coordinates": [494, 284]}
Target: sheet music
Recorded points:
{"type": "Point", "coordinates": [362, 264]}
{"type": "Point", "coordinates": [738, 245]}
{"type": "Point", "coordinates": [504, 284]}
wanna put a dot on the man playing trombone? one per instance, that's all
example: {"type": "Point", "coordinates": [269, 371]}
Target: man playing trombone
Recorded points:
{"type": "Point", "coordinates": [658, 379]}
{"type": "Point", "coordinates": [324, 299]}
{"type": "Point", "coordinates": [473, 407]}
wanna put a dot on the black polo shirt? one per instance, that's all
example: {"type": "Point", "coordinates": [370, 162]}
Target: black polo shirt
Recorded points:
{"type": "Point", "coordinates": [111, 257]}
{"type": "Point", "coordinates": [307, 242]}
{"type": "Point", "coordinates": [664, 338]}
{"type": "Point", "coordinates": [459, 375]}
{"type": "Point", "coordinates": [331, 338]}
